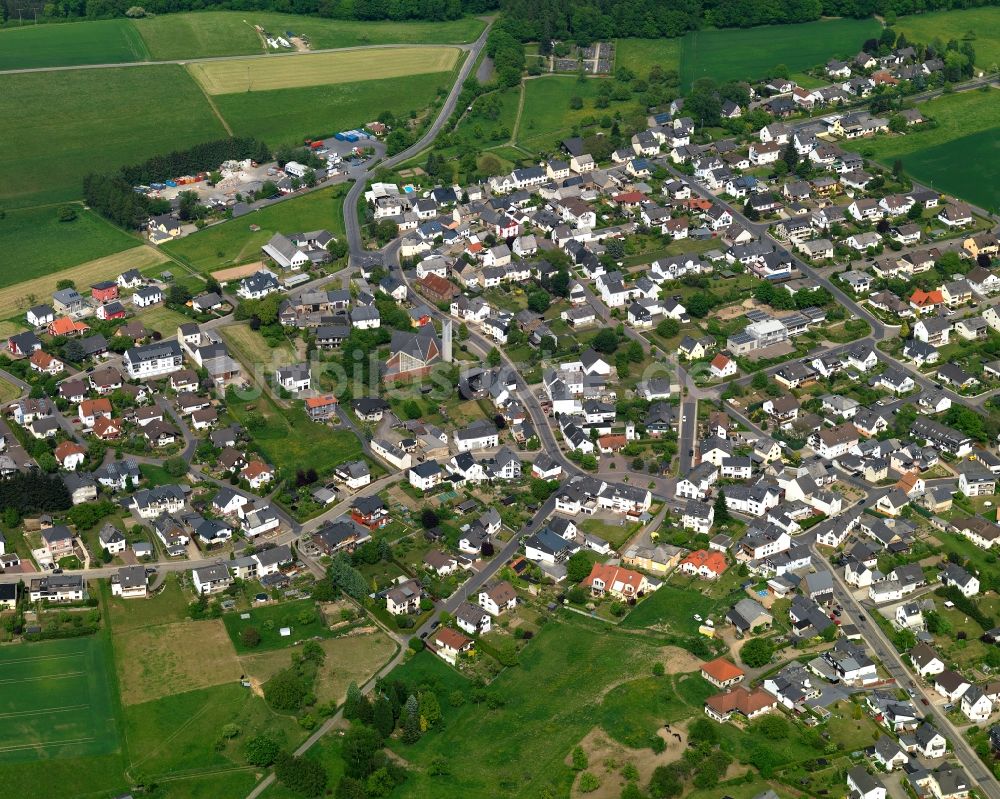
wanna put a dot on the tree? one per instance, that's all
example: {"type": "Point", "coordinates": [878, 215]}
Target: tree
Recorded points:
{"type": "Point", "coordinates": [578, 566]}
{"type": "Point", "coordinates": [703, 731]}
{"type": "Point", "coordinates": [178, 295]}
{"type": "Point", "coordinates": [721, 510]}
{"type": "Point", "coordinates": [250, 637]}
{"type": "Point", "coordinates": [664, 783]}
{"type": "Point", "coordinates": [493, 357]}
{"type": "Point", "coordinates": [285, 691]}
{"type": "Point", "coordinates": [430, 708]}
{"type": "Point", "coordinates": [411, 720]}
{"type": "Point", "coordinates": [175, 467]}
{"type": "Point", "coordinates": [606, 341]}
{"type": "Point", "coordinates": [759, 381]}
{"type": "Point", "coordinates": [303, 775]}
{"type": "Point", "coordinates": [382, 717]}
{"type": "Point", "coordinates": [668, 328]}
{"type": "Point", "coordinates": [428, 518]}
{"type": "Point", "coordinates": [539, 301]}
{"type": "Point", "coordinates": [361, 745]}
{"type": "Point", "coordinates": [67, 213]}
{"type": "Point", "coordinates": [261, 750]}
{"type": "Point", "coordinates": [757, 652]}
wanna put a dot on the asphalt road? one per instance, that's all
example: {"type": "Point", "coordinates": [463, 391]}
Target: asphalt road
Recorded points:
{"type": "Point", "coordinates": [877, 641]}
{"type": "Point", "coordinates": [351, 224]}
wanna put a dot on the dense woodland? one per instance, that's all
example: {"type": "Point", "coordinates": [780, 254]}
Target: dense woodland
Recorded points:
{"type": "Point", "coordinates": [582, 20]}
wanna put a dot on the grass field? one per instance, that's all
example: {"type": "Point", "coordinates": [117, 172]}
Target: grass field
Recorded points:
{"type": "Point", "coordinates": [174, 738]}
{"type": "Point", "coordinates": [519, 750]}
{"type": "Point", "coordinates": [751, 53]}
{"type": "Point", "coordinates": [288, 115]}
{"type": "Point", "coordinates": [352, 658]}
{"type": "Point", "coordinates": [959, 155]}
{"type": "Point", "coordinates": [107, 41]}
{"type": "Point", "coordinates": [232, 242]}
{"type": "Point", "coordinates": [301, 617]}
{"type": "Point", "coordinates": [18, 298]}
{"type": "Point", "coordinates": [251, 349]}
{"type": "Point", "coordinates": [217, 33]}
{"type": "Point", "coordinates": [164, 659]}
{"type": "Point", "coordinates": [547, 116]}
{"type": "Point", "coordinates": [56, 701]}
{"type": "Point", "coordinates": [35, 240]}
{"type": "Point", "coordinates": [641, 54]}
{"type": "Point", "coordinates": [119, 116]}
{"type": "Point", "coordinates": [982, 23]}
{"type": "Point", "coordinates": [320, 69]}
{"type": "Point", "coordinates": [168, 605]}
{"type": "Point", "coordinates": [670, 606]}
{"type": "Point", "coordinates": [288, 439]}
{"type": "Point", "coordinates": [631, 712]}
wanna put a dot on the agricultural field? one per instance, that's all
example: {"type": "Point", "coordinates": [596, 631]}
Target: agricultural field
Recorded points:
{"type": "Point", "coordinates": [980, 25]}
{"type": "Point", "coordinates": [320, 69]}
{"type": "Point", "coordinates": [38, 243]}
{"type": "Point", "coordinates": [286, 116]}
{"type": "Point", "coordinates": [107, 41]}
{"type": "Point", "coordinates": [156, 661]}
{"type": "Point", "coordinates": [288, 439]}
{"type": "Point", "coordinates": [640, 55]}
{"type": "Point", "coordinates": [217, 33]}
{"type": "Point", "coordinates": [16, 299]}
{"type": "Point", "coordinates": [751, 53]}
{"type": "Point", "coordinates": [114, 122]}
{"type": "Point", "coordinates": [958, 155]}
{"type": "Point", "coordinates": [232, 243]}
{"type": "Point", "coordinates": [57, 703]}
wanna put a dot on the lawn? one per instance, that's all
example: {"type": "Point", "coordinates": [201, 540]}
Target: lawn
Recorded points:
{"type": "Point", "coordinates": [959, 155]}
{"type": "Point", "coordinates": [8, 392]}
{"type": "Point", "coordinates": [35, 240]}
{"type": "Point", "coordinates": [232, 243]}
{"type": "Point", "coordinates": [547, 116]}
{"type": "Point", "coordinates": [286, 116]}
{"type": "Point", "coordinates": [228, 76]}
{"type": "Point", "coordinates": [640, 55]}
{"type": "Point", "coordinates": [614, 534]}
{"type": "Point", "coordinates": [154, 475]}
{"type": "Point", "coordinates": [981, 25]}
{"type": "Point", "coordinates": [107, 41]}
{"type": "Point", "coordinates": [57, 701]}
{"type": "Point", "coordinates": [301, 616]}
{"type": "Point", "coordinates": [353, 658]}
{"type": "Point", "coordinates": [163, 320]}
{"type": "Point", "coordinates": [519, 750]}
{"type": "Point", "coordinates": [132, 113]}
{"type": "Point", "coordinates": [753, 53]}
{"type": "Point", "coordinates": [159, 660]}
{"type": "Point", "coordinates": [288, 439]}
{"type": "Point", "coordinates": [217, 33]}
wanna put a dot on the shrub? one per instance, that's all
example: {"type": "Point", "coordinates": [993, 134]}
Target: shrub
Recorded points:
{"type": "Point", "coordinates": [589, 782]}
